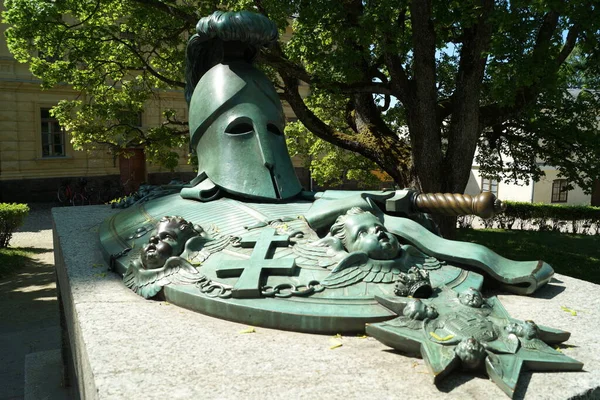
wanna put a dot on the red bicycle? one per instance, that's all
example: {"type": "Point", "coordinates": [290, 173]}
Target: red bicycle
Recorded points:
{"type": "Point", "coordinates": [78, 196]}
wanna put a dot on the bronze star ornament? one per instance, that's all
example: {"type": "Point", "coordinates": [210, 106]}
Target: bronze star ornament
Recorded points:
{"type": "Point", "coordinates": [451, 330]}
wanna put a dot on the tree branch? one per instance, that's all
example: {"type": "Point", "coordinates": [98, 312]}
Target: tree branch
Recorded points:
{"type": "Point", "coordinates": [310, 120]}
{"type": "Point", "coordinates": [493, 114]}
{"type": "Point", "coordinates": [318, 127]}
{"type": "Point", "coordinates": [545, 33]}
{"type": "Point", "coordinates": [360, 87]}
{"type": "Point", "coordinates": [464, 123]}
{"type": "Point", "coordinates": [400, 84]}
{"type": "Point", "coordinates": [170, 10]}
{"type": "Point", "coordinates": [275, 58]}
{"type": "Point", "coordinates": [424, 50]}
{"type": "Point", "coordinates": [425, 133]}
{"type": "Point", "coordinates": [86, 19]}
{"type": "Point", "coordinates": [444, 109]}
{"type": "Point", "coordinates": [370, 115]}
{"type": "Point", "coordinates": [569, 44]}
{"type": "Point", "coordinates": [147, 66]}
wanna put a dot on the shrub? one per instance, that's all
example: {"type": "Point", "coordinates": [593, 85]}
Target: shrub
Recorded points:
{"type": "Point", "coordinates": [11, 217]}
{"type": "Point", "coordinates": [551, 217]}
{"type": "Point", "coordinates": [465, 221]}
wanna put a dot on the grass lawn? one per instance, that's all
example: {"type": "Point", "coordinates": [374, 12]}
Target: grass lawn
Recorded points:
{"type": "Point", "coordinates": [13, 259]}
{"type": "Point", "coordinates": [573, 255]}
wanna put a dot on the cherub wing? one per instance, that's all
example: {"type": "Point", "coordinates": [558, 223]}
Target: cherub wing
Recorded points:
{"type": "Point", "coordinates": [199, 248]}
{"type": "Point", "coordinates": [357, 267]}
{"type": "Point", "coordinates": [405, 322]}
{"type": "Point", "coordinates": [148, 282]}
{"type": "Point", "coordinates": [420, 259]}
{"type": "Point", "coordinates": [537, 344]}
{"type": "Point", "coordinates": [324, 253]}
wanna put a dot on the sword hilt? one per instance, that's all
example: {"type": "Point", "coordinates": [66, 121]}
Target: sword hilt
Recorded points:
{"type": "Point", "coordinates": [484, 205]}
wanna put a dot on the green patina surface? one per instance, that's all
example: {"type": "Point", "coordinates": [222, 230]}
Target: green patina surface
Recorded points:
{"type": "Point", "coordinates": [244, 243]}
{"type": "Point", "coordinates": [249, 271]}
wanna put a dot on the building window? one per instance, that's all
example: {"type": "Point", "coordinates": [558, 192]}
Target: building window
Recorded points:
{"type": "Point", "coordinates": [559, 191]}
{"type": "Point", "coordinates": [489, 185]}
{"type": "Point", "coordinates": [53, 136]}
{"type": "Point", "coordinates": [130, 118]}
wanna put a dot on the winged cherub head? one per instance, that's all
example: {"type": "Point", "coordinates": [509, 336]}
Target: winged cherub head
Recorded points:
{"type": "Point", "coordinates": [361, 231]}
{"type": "Point", "coordinates": [523, 329]}
{"type": "Point", "coordinates": [471, 352]}
{"type": "Point", "coordinates": [171, 235]}
{"type": "Point", "coordinates": [471, 298]}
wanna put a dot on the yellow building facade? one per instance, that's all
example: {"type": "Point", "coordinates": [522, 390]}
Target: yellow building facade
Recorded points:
{"type": "Point", "coordinates": [36, 155]}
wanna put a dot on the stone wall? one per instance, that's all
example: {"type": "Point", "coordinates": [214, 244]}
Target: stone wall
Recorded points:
{"type": "Point", "coordinates": [45, 190]}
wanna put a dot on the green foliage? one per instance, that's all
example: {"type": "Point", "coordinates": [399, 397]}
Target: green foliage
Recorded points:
{"type": "Point", "coordinates": [329, 165]}
{"type": "Point", "coordinates": [12, 216]}
{"type": "Point", "coordinates": [562, 131]}
{"type": "Point", "coordinates": [12, 260]}
{"type": "Point", "coordinates": [555, 217]}
{"type": "Point", "coordinates": [523, 86]}
{"type": "Point", "coordinates": [413, 89]}
{"type": "Point", "coordinates": [546, 217]}
{"type": "Point", "coordinates": [573, 255]}
{"type": "Point", "coordinates": [118, 54]}
{"type": "Point", "coordinates": [583, 71]}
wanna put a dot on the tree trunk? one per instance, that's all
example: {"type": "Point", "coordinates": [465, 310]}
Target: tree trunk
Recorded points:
{"type": "Point", "coordinates": [425, 134]}
{"type": "Point", "coordinates": [447, 226]}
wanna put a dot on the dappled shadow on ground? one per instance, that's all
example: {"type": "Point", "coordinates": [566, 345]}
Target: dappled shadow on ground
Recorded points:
{"type": "Point", "coordinates": [459, 377]}
{"type": "Point", "coordinates": [34, 250]}
{"type": "Point", "coordinates": [549, 291]}
{"type": "Point", "coordinates": [546, 292]}
{"type": "Point", "coordinates": [14, 259]}
{"type": "Point", "coordinates": [456, 379]}
{"type": "Point", "coordinates": [30, 318]}
{"type": "Point", "coordinates": [28, 296]}
{"type": "Point", "coordinates": [522, 383]}
{"type": "Point", "coordinates": [39, 217]}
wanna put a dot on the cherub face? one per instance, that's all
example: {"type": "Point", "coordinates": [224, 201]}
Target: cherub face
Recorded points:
{"type": "Point", "coordinates": [471, 297]}
{"type": "Point", "coordinates": [470, 352]}
{"type": "Point", "coordinates": [525, 329]}
{"type": "Point", "coordinates": [168, 241]}
{"type": "Point", "coordinates": [364, 232]}
{"type": "Point", "coordinates": [416, 309]}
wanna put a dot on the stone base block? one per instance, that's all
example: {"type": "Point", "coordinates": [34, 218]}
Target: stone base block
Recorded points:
{"type": "Point", "coordinates": [125, 347]}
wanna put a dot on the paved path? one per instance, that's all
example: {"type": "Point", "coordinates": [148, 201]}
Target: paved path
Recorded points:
{"type": "Point", "coordinates": [29, 320]}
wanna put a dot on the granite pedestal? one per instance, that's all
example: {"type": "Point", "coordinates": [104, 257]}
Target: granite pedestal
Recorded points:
{"type": "Point", "coordinates": [121, 346]}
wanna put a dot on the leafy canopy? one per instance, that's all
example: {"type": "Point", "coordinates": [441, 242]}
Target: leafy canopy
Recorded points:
{"type": "Point", "coordinates": [411, 87]}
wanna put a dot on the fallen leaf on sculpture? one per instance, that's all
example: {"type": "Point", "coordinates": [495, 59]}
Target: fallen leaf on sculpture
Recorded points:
{"type": "Point", "coordinates": [441, 339]}
{"type": "Point", "coordinates": [569, 310]}
{"type": "Point", "coordinates": [248, 330]}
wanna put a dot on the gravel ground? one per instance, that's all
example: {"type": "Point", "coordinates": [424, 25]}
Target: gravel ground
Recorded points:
{"type": "Point", "coordinates": [37, 229]}
{"type": "Point", "coordinates": [29, 319]}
